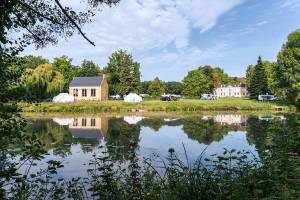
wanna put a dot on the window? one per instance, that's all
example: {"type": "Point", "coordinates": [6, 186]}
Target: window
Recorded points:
{"type": "Point", "coordinates": [84, 92]}
{"type": "Point", "coordinates": [83, 122]}
{"type": "Point", "coordinates": [93, 122]}
{"type": "Point", "coordinates": [75, 122]}
{"type": "Point", "coordinates": [75, 92]}
{"type": "Point", "coordinates": [93, 92]}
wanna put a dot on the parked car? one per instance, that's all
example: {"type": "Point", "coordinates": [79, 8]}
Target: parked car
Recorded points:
{"type": "Point", "coordinates": [115, 97]}
{"type": "Point", "coordinates": [144, 95]}
{"type": "Point", "coordinates": [266, 97]}
{"type": "Point", "coordinates": [168, 97]}
{"type": "Point", "coordinates": [208, 97]}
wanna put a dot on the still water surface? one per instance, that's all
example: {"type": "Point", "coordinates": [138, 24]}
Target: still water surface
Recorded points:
{"type": "Point", "coordinates": [73, 140]}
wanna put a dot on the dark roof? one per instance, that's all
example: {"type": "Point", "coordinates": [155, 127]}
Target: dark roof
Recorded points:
{"type": "Point", "coordinates": [86, 81]}
{"type": "Point", "coordinates": [86, 133]}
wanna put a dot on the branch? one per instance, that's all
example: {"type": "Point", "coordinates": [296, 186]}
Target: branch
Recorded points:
{"type": "Point", "coordinates": [39, 14]}
{"type": "Point", "coordinates": [74, 23]}
{"type": "Point", "coordinates": [34, 35]}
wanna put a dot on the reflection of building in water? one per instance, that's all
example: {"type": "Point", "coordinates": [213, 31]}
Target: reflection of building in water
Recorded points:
{"type": "Point", "coordinates": [89, 127]}
{"type": "Point", "coordinates": [237, 120]}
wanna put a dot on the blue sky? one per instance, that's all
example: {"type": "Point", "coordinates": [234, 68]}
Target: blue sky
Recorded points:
{"type": "Point", "coordinates": [171, 37]}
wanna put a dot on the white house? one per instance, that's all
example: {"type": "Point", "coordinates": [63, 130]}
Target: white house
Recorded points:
{"type": "Point", "coordinates": [238, 90]}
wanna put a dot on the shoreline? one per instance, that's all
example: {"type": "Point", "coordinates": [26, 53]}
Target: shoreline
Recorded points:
{"type": "Point", "coordinates": [156, 106]}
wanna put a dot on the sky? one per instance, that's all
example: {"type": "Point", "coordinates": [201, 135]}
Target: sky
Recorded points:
{"type": "Point", "coordinates": [171, 37]}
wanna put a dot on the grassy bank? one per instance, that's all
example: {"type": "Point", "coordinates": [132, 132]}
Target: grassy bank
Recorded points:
{"type": "Point", "coordinates": [228, 104]}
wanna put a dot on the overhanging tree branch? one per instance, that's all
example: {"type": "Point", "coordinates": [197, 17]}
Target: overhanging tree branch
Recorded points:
{"type": "Point", "coordinates": [73, 22]}
{"type": "Point", "coordinates": [39, 14]}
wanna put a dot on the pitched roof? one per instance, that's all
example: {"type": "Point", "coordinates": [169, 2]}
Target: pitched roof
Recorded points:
{"type": "Point", "coordinates": [86, 133]}
{"type": "Point", "coordinates": [86, 81]}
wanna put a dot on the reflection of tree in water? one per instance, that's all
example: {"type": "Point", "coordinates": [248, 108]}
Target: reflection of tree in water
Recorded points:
{"type": "Point", "coordinates": [274, 134]}
{"type": "Point", "coordinates": [205, 131]}
{"type": "Point", "coordinates": [154, 123]}
{"type": "Point", "coordinates": [118, 138]}
{"type": "Point", "coordinates": [257, 132]}
{"type": "Point", "coordinates": [87, 144]}
{"type": "Point", "coordinates": [58, 137]}
{"type": "Point", "coordinates": [51, 135]}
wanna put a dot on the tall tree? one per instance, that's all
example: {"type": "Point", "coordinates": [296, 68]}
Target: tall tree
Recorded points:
{"type": "Point", "coordinates": [258, 82]}
{"type": "Point", "coordinates": [33, 61]}
{"type": "Point", "coordinates": [42, 22]}
{"type": "Point", "coordinates": [123, 73]}
{"type": "Point", "coordinates": [145, 86]}
{"type": "Point", "coordinates": [42, 82]}
{"type": "Point", "coordinates": [88, 68]}
{"type": "Point", "coordinates": [270, 73]}
{"type": "Point", "coordinates": [64, 66]}
{"type": "Point", "coordinates": [156, 87]}
{"type": "Point", "coordinates": [173, 87]}
{"type": "Point", "coordinates": [287, 70]}
{"type": "Point", "coordinates": [196, 83]}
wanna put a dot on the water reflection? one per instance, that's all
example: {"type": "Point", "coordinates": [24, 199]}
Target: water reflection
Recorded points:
{"type": "Point", "coordinates": [74, 139]}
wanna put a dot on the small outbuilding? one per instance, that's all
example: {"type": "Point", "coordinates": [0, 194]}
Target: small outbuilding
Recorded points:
{"type": "Point", "coordinates": [63, 98]}
{"type": "Point", "coordinates": [133, 98]}
{"type": "Point", "coordinates": [89, 88]}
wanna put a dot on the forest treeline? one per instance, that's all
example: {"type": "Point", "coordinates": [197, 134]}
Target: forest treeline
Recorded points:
{"type": "Point", "coordinates": [36, 79]}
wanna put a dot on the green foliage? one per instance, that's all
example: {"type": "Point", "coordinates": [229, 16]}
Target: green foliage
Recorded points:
{"type": "Point", "coordinates": [42, 82]}
{"type": "Point", "coordinates": [123, 73]}
{"type": "Point", "coordinates": [33, 61]}
{"type": "Point", "coordinates": [173, 87]}
{"type": "Point", "coordinates": [63, 65]}
{"type": "Point", "coordinates": [257, 80]}
{"type": "Point", "coordinates": [145, 87]}
{"type": "Point", "coordinates": [288, 69]}
{"type": "Point", "coordinates": [40, 23]}
{"type": "Point", "coordinates": [156, 88]}
{"type": "Point", "coordinates": [88, 68]}
{"type": "Point", "coordinates": [196, 83]}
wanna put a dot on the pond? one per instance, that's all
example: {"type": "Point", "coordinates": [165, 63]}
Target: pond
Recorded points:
{"type": "Point", "coordinates": [74, 139]}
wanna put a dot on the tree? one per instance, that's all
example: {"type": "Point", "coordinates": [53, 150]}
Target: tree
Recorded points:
{"type": "Point", "coordinates": [43, 22]}
{"type": "Point", "coordinates": [196, 83]}
{"type": "Point", "coordinates": [40, 23]}
{"type": "Point", "coordinates": [216, 76]}
{"type": "Point", "coordinates": [173, 87]}
{"type": "Point", "coordinates": [33, 61]}
{"type": "Point", "coordinates": [258, 82]}
{"type": "Point", "coordinates": [88, 68]}
{"type": "Point", "coordinates": [287, 70]}
{"type": "Point", "coordinates": [156, 87]}
{"type": "Point", "coordinates": [42, 82]}
{"type": "Point", "coordinates": [145, 86]}
{"type": "Point", "coordinates": [123, 73]}
{"type": "Point", "coordinates": [64, 66]}
{"type": "Point", "coordinates": [269, 68]}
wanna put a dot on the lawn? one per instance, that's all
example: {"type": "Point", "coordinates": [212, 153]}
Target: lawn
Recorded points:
{"type": "Point", "coordinates": [184, 105]}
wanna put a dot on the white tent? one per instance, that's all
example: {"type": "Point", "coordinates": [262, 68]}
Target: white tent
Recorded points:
{"type": "Point", "coordinates": [133, 119]}
{"type": "Point", "coordinates": [63, 98]}
{"type": "Point", "coordinates": [63, 121]}
{"type": "Point", "coordinates": [132, 97]}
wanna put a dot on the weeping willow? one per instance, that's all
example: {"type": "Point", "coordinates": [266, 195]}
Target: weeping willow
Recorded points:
{"type": "Point", "coordinates": [42, 82]}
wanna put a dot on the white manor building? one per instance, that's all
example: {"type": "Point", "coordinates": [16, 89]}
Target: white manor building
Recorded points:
{"type": "Point", "coordinates": [238, 90]}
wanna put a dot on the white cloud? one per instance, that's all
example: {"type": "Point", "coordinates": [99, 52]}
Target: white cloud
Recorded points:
{"type": "Point", "coordinates": [262, 23]}
{"type": "Point", "coordinates": [142, 27]}
{"type": "Point", "coordinates": [290, 3]}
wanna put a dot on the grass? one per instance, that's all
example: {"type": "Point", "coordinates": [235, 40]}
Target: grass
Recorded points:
{"type": "Point", "coordinates": [185, 105]}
